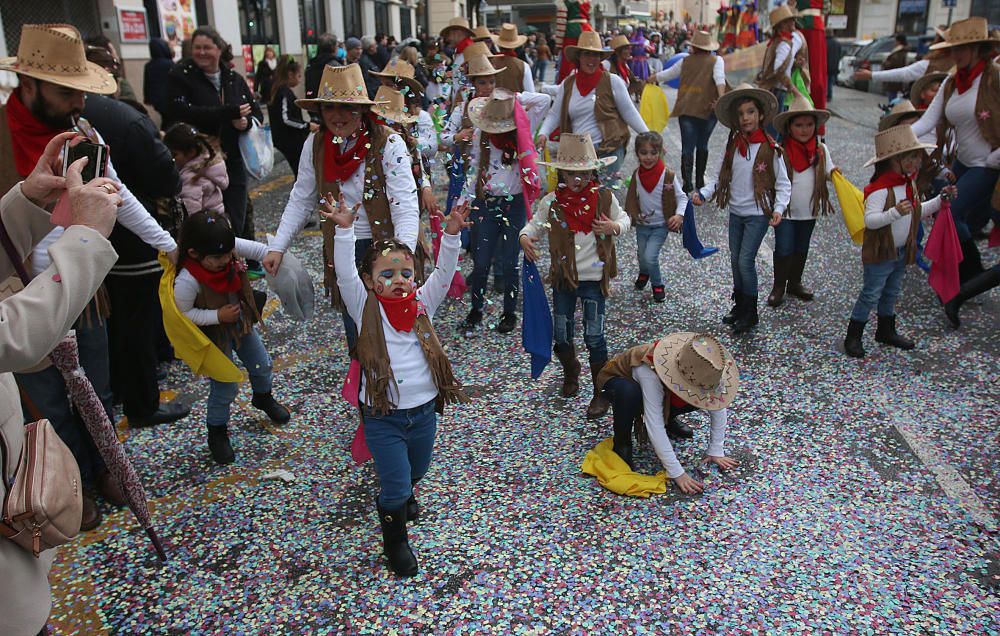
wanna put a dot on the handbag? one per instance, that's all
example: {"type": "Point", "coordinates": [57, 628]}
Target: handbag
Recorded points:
{"type": "Point", "coordinates": [16, 283]}
{"type": "Point", "coordinates": [257, 150]}
{"type": "Point", "coordinates": [43, 504]}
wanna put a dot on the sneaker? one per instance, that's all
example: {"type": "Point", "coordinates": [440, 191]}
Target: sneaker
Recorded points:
{"type": "Point", "coordinates": [659, 293]}
{"type": "Point", "coordinates": [640, 283]}
{"type": "Point", "coordinates": [507, 323]}
{"type": "Point", "coordinates": [471, 321]}
{"type": "Point", "coordinates": [218, 444]}
{"type": "Point", "coordinates": [275, 411]}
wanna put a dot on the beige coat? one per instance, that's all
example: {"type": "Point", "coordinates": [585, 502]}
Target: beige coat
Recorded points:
{"type": "Point", "coordinates": [31, 324]}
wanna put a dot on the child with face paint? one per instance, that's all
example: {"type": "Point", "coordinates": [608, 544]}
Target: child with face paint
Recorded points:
{"type": "Point", "coordinates": [406, 377]}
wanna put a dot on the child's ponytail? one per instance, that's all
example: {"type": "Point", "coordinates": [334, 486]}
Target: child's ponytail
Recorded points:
{"type": "Point", "coordinates": [185, 138]}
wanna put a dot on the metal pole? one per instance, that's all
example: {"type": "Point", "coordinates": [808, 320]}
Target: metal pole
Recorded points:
{"type": "Point", "coordinates": [950, 9]}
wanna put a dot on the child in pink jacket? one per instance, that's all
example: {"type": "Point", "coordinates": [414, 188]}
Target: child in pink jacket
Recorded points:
{"type": "Point", "coordinates": [202, 168]}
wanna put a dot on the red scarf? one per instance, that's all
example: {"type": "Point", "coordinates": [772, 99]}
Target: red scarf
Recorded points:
{"type": "Point", "coordinates": [338, 165]}
{"type": "Point", "coordinates": [509, 52]}
{"type": "Point", "coordinates": [28, 136]}
{"type": "Point", "coordinates": [225, 282]}
{"type": "Point", "coordinates": [743, 142]}
{"type": "Point", "coordinates": [506, 143]}
{"type": "Point", "coordinates": [461, 46]}
{"type": "Point", "coordinates": [782, 35]}
{"type": "Point", "coordinates": [801, 155]}
{"type": "Point", "coordinates": [649, 178]}
{"type": "Point", "coordinates": [401, 312]}
{"type": "Point", "coordinates": [965, 76]}
{"type": "Point", "coordinates": [622, 69]}
{"type": "Point", "coordinates": [579, 208]}
{"type": "Point", "coordinates": [586, 82]}
{"type": "Point", "coordinates": [890, 179]}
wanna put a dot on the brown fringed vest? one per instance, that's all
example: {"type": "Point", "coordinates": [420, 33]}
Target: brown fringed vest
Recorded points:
{"type": "Point", "coordinates": [513, 78]}
{"type": "Point", "coordinates": [562, 245]}
{"type": "Point", "coordinates": [614, 131]}
{"type": "Point", "coordinates": [987, 101]}
{"type": "Point", "coordinates": [635, 85]}
{"type": "Point", "coordinates": [374, 358]}
{"type": "Point", "coordinates": [376, 206]}
{"type": "Point", "coordinates": [697, 88]}
{"type": "Point", "coordinates": [668, 199]}
{"type": "Point", "coordinates": [763, 180]}
{"type": "Point", "coordinates": [222, 335]}
{"type": "Point", "coordinates": [821, 205]}
{"type": "Point", "coordinates": [769, 77]}
{"type": "Point", "coordinates": [879, 245]}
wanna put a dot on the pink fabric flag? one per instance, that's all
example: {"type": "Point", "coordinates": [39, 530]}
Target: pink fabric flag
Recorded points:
{"type": "Point", "coordinates": [458, 285]}
{"type": "Point", "coordinates": [352, 384]}
{"type": "Point", "coordinates": [359, 448]}
{"type": "Point", "coordinates": [944, 250]}
{"type": "Point", "coordinates": [526, 157]}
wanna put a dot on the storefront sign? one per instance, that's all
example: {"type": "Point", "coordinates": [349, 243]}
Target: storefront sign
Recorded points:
{"type": "Point", "coordinates": [836, 22]}
{"type": "Point", "coordinates": [132, 25]}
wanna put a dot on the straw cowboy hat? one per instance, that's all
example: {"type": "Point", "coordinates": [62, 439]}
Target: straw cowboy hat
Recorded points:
{"type": "Point", "coordinates": [392, 106]}
{"type": "Point", "coordinates": [921, 84]}
{"type": "Point", "coordinates": [969, 31]}
{"type": "Point", "coordinates": [725, 110]}
{"type": "Point", "coordinates": [339, 85]}
{"type": "Point", "coordinates": [800, 106]}
{"type": "Point", "coordinates": [576, 153]}
{"type": "Point", "coordinates": [704, 41]}
{"type": "Point", "coordinates": [480, 66]}
{"type": "Point", "coordinates": [55, 53]}
{"type": "Point", "coordinates": [509, 37]}
{"type": "Point", "coordinates": [697, 369]}
{"type": "Point", "coordinates": [779, 15]}
{"type": "Point", "coordinates": [477, 49]}
{"type": "Point", "coordinates": [589, 41]}
{"type": "Point", "coordinates": [618, 42]}
{"type": "Point", "coordinates": [457, 23]}
{"type": "Point", "coordinates": [494, 114]}
{"type": "Point", "coordinates": [896, 141]}
{"type": "Point", "coordinates": [482, 34]}
{"type": "Point", "coordinates": [902, 108]}
{"type": "Point", "coordinates": [402, 71]}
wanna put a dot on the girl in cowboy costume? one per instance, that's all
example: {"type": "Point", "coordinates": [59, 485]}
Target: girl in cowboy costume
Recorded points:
{"type": "Point", "coordinates": [753, 184]}
{"type": "Point", "coordinates": [786, 51]}
{"type": "Point", "coordinates": [809, 166]}
{"type": "Point", "coordinates": [356, 156]}
{"type": "Point", "coordinates": [620, 64]}
{"type": "Point", "coordinates": [518, 77]}
{"type": "Point", "coordinates": [406, 377]}
{"type": "Point", "coordinates": [653, 383]}
{"type": "Point", "coordinates": [893, 210]}
{"type": "Point", "coordinates": [581, 219]}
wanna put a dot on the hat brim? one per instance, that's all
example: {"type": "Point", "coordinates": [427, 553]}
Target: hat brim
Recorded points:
{"type": "Point", "coordinates": [444, 32]}
{"type": "Point", "coordinates": [573, 53]}
{"type": "Point", "coordinates": [97, 80]}
{"type": "Point", "coordinates": [665, 366]}
{"type": "Point", "coordinates": [518, 42]}
{"type": "Point", "coordinates": [918, 146]}
{"type": "Point", "coordinates": [781, 120]}
{"type": "Point", "coordinates": [947, 45]}
{"type": "Point", "coordinates": [922, 83]}
{"type": "Point", "coordinates": [600, 162]}
{"type": "Point", "coordinates": [714, 46]}
{"type": "Point", "coordinates": [495, 71]}
{"type": "Point", "coordinates": [892, 119]}
{"type": "Point", "coordinates": [767, 101]}
{"type": "Point", "coordinates": [400, 118]}
{"type": "Point", "coordinates": [314, 105]}
{"type": "Point", "coordinates": [416, 88]}
{"type": "Point", "coordinates": [492, 126]}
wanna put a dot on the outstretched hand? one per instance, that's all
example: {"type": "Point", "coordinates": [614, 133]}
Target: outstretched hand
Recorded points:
{"type": "Point", "coordinates": [458, 220]}
{"type": "Point", "coordinates": [340, 215]}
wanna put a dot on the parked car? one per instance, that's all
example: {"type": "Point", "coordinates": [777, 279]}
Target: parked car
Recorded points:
{"type": "Point", "coordinates": [845, 68]}
{"type": "Point", "coordinates": [872, 57]}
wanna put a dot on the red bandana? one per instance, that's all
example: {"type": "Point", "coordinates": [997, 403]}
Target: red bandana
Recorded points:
{"type": "Point", "coordinates": [508, 52]}
{"type": "Point", "coordinates": [965, 76]}
{"type": "Point", "coordinates": [401, 312]}
{"type": "Point", "coordinates": [801, 155]}
{"type": "Point", "coordinates": [622, 70]}
{"type": "Point", "coordinates": [890, 179]}
{"type": "Point", "coordinates": [224, 282]}
{"type": "Point", "coordinates": [586, 82]}
{"type": "Point", "coordinates": [649, 178]}
{"type": "Point", "coordinates": [461, 46]}
{"type": "Point", "coordinates": [579, 208]}
{"type": "Point", "coordinates": [28, 136]}
{"type": "Point", "coordinates": [743, 142]}
{"type": "Point", "coordinates": [338, 165]}
{"type": "Point", "coordinates": [506, 142]}
{"type": "Point", "coordinates": [782, 35]}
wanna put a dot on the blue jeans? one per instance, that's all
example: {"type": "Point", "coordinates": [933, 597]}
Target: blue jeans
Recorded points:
{"type": "Point", "coordinates": [695, 133]}
{"type": "Point", "coordinates": [564, 319]}
{"type": "Point", "coordinates": [746, 233]}
{"type": "Point", "coordinates": [971, 208]}
{"type": "Point", "coordinates": [538, 73]}
{"type": "Point", "coordinates": [882, 284]}
{"type": "Point", "coordinates": [793, 237]}
{"type": "Point", "coordinates": [650, 239]}
{"type": "Point", "coordinates": [401, 443]}
{"type": "Point", "coordinates": [350, 329]}
{"type": "Point", "coordinates": [499, 221]}
{"type": "Point", "coordinates": [252, 353]}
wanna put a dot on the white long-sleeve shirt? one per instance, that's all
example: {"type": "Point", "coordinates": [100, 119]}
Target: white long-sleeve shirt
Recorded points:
{"type": "Point", "coordinates": [400, 188]}
{"type": "Point", "coordinates": [785, 49]}
{"type": "Point", "coordinates": [903, 74]}
{"type": "Point", "coordinates": [186, 286]}
{"type": "Point", "coordinates": [581, 110]}
{"type": "Point", "coordinates": [588, 265]}
{"type": "Point", "coordinates": [718, 72]}
{"type": "Point", "coordinates": [414, 383]}
{"type": "Point", "coordinates": [877, 217]}
{"type": "Point", "coordinates": [652, 416]}
{"type": "Point", "coordinates": [651, 203]}
{"type": "Point", "coordinates": [803, 184]}
{"type": "Point", "coordinates": [973, 149]}
{"type": "Point", "coordinates": [741, 201]}
{"type": "Point", "coordinates": [426, 136]}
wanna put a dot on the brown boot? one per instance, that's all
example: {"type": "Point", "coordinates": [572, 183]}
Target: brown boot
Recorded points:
{"type": "Point", "coordinates": [110, 490]}
{"type": "Point", "coordinates": [781, 266]}
{"type": "Point", "coordinates": [92, 516]}
{"type": "Point", "coordinates": [795, 287]}
{"type": "Point", "coordinates": [599, 405]}
{"type": "Point", "coordinates": [571, 369]}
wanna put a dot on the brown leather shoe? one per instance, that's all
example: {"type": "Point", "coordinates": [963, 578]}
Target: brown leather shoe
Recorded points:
{"type": "Point", "coordinates": [599, 405]}
{"type": "Point", "coordinates": [571, 371]}
{"type": "Point", "coordinates": [91, 517]}
{"type": "Point", "coordinates": [110, 490]}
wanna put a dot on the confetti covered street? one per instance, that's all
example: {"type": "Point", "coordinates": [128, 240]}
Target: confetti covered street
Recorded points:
{"type": "Point", "coordinates": [867, 497]}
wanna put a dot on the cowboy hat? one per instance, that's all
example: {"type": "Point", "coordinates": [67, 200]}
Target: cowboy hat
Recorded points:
{"type": "Point", "coordinates": [476, 49]}
{"type": "Point", "coordinates": [494, 114]}
{"type": "Point", "coordinates": [800, 106]}
{"type": "Point", "coordinates": [339, 85]}
{"type": "Point", "coordinates": [509, 37]}
{"type": "Point", "coordinates": [589, 41]}
{"type": "Point", "coordinates": [401, 71]}
{"type": "Point", "coordinates": [903, 108]}
{"type": "Point", "coordinates": [457, 23]}
{"type": "Point", "coordinates": [896, 141]}
{"type": "Point", "coordinates": [480, 66]}
{"type": "Point", "coordinates": [482, 34]}
{"type": "Point", "coordinates": [724, 106]}
{"type": "Point", "coordinates": [704, 41]}
{"type": "Point", "coordinates": [921, 84]}
{"type": "Point", "coordinates": [969, 31]}
{"type": "Point", "coordinates": [55, 53]}
{"type": "Point", "coordinates": [698, 369]}
{"type": "Point", "coordinates": [780, 14]}
{"type": "Point", "coordinates": [618, 42]}
{"type": "Point", "coordinates": [576, 154]}
{"type": "Point", "coordinates": [392, 106]}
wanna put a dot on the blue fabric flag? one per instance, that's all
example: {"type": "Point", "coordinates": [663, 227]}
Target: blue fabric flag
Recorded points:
{"type": "Point", "coordinates": [536, 321]}
{"type": "Point", "coordinates": [690, 236]}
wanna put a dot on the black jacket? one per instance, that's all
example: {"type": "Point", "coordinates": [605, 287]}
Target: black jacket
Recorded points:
{"type": "Point", "coordinates": [314, 71]}
{"type": "Point", "coordinates": [369, 64]}
{"type": "Point", "coordinates": [154, 76]}
{"type": "Point", "coordinates": [143, 163]}
{"type": "Point", "coordinates": [192, 98]}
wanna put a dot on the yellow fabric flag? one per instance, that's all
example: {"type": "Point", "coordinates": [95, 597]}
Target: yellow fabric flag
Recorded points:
{"type": "Point", "coordinates": [653, 108]}
{"type": "Point", "coordinates": [190, 343]}
{"type": "Point", "coordinates": [852, 206]}
{"type": "Point", "coordinates": [551, 176]}
{"type": "Point", "coordinates": [614, 474]}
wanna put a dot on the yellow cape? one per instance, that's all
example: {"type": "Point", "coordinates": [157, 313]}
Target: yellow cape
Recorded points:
{"type": "Point", "coordinates": [852, 206]}
{"type": "Point", "coordinates": [190, 343]}
{"type": "Point", "coordinates": [615, 475]}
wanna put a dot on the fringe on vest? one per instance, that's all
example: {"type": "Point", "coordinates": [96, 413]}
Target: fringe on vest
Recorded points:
{"type": "Point", "coordinates": [820, 200]}
{"type": "Point", "coordinates": [879, 246]}
{"type": "Point", "coordinates": [763, 180]}
{"type": "Point", "coordinates": [562, 245]}
{"type": "Point", "coordinates": [668, 198]}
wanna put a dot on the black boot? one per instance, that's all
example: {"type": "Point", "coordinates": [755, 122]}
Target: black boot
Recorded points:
{"type": "Point", "coordinates": [972, 262]}
{"type": "Point", "coordinates": [781, 267]}
{"type": "Point", "coordinates": [737, 309]}
{"type": "Point", "coordinates": [852, 343]}
{"type": "Point", "coordinates": [507, 323]}
{"type": "Point", "coordinates": [272, 409]}
{"type": "Point", "coordinates": [621, 444]}
{"type": "Point", "coordinates": [396, 541]}
{"type": "Point", "coordinates": [677, 428]}
{"type": "Point", "coordinates": [687, 165]}
{"type": "Point", "coordinates": [701, 159]}
{"type": "Point", "coordinates": [795, 269]}
{"type": "Point", "coordinates": [219, 446]}
{"type": "Point", "coordinates": [978, 285]}
{"type": "Point", "coordinates": [885, 333]}
{"type": "Point", "coordinates": [471, 321]}
{"type": "Point", "coordinates": [748, 318]}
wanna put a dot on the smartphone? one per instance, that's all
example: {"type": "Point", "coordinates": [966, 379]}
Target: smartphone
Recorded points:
{"type": "Point", "coordinates": [97, 153]}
